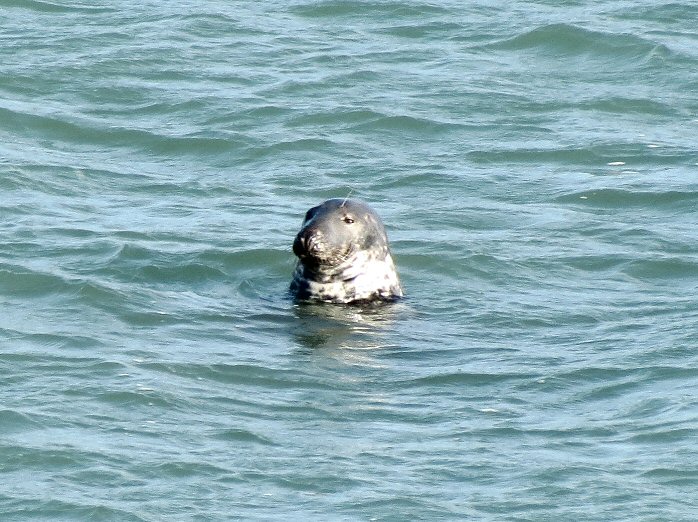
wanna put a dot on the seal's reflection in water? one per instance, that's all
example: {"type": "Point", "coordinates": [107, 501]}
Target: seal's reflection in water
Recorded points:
{"type": "Point", "coordinates": [353, 327]}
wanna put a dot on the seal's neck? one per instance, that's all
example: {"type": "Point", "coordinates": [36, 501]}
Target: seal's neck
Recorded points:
{"type": "Point", "coordinates": [356, 265]}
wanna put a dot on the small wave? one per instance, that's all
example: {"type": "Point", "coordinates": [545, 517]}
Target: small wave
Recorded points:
{"type": "Point", "coordinates": [191, 272]}
{"type": "Point", "coordinates": [51, 7]}
{"type": "Point", "coordinates": [364, 9]}
{"type": "Point", "coordinates": [334, 118]}
{"type": "Point", "coordinates": [667, 13]}
{"type": "Point", "coordinates": [60, 127]}
{"type": "Point", "coordinates": [182, 469]}
{"type": "Point", "coordinates": [595, 263]}
{"type": "Point", "coordinates": [620, 198]}
{"type": "Point", "coordinates": [624, 105]}
{"type": "Point", "coordinates": [405, 123]}
{"type": "Point", "coordinates": [256, 375]}
{"type": "Point", "coordinates": [671, 476]}
{"type": "Point", "coordinates": [583, 156]}
{"type": "Point", "coordinates": [14, 421]}
{"type": "Point", "coordinates": [572, 40]}
{"type": "Point", "coordinates": [15, 280]}
{"type": "Point", "coordinates": [140, 263]}
{"type": "Point", "coordinates": [41, 509]}
{"type": "Point", "coordinates": [419, 31]}
{"type": "Point", "coordinates": [238, 435]}
{"type": "Point", "coordinates": [469, 379]}
{"type": "Point", "coordinates": [671, 268]}
{"type": "Point", "coordinates": [139, 397]}
{"type": "Point", "coordinates": [295, 146]}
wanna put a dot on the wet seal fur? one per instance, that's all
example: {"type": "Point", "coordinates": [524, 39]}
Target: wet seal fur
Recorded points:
{"type": "Point", "coordinates": [343, 255]}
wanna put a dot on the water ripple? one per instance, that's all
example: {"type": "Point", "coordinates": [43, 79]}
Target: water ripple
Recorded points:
{"type": "Point", "coordinates": [535, 167]}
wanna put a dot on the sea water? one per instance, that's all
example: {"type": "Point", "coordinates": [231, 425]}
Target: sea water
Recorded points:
{"type": "Point", "coordinates": [536, 165]}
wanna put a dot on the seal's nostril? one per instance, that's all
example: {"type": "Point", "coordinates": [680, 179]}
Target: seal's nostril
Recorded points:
{"type": "Point", "coordinates": [298, 246]}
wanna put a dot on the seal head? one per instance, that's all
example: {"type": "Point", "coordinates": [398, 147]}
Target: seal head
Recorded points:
{"type": "Point", "coordinates": [343, 255]}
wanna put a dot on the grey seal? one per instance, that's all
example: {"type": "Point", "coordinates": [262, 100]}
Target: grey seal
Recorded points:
{"type": "Point", "coordinates": [343, 255]}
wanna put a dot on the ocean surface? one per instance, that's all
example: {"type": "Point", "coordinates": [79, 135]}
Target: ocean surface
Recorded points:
{"type": "Point", "coordinates": [536, 165]}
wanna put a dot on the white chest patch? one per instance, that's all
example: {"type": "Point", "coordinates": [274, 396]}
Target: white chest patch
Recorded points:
{"type": "Point", "coordinates": [363, 277]}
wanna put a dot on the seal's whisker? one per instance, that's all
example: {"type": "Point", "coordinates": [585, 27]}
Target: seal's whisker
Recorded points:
{"type": "Point", "coordinates": [345, 199]}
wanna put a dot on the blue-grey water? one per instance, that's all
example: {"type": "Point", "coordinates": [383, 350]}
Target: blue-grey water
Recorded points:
{"type": "Point", "coordinates": [536, 165]}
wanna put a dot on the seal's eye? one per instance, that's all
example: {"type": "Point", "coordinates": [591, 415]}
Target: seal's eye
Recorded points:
{"type": "Point", "coordinates": [348, 220]}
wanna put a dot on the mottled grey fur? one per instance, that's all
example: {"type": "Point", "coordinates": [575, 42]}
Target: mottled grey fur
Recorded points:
{"type": "Point", "coordinates": [343, 255]}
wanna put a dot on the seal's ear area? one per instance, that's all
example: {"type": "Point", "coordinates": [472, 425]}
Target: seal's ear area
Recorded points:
{"type": "Point", "coordinates": [372, 236]}
{"type": "Point", "coordinates": [369, 241]}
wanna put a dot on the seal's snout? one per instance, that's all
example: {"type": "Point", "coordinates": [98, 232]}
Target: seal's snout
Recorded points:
{"type": "Point", "coordinates": [299, 247]}
{"type": "Point", "coordinates": [307, 244]}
